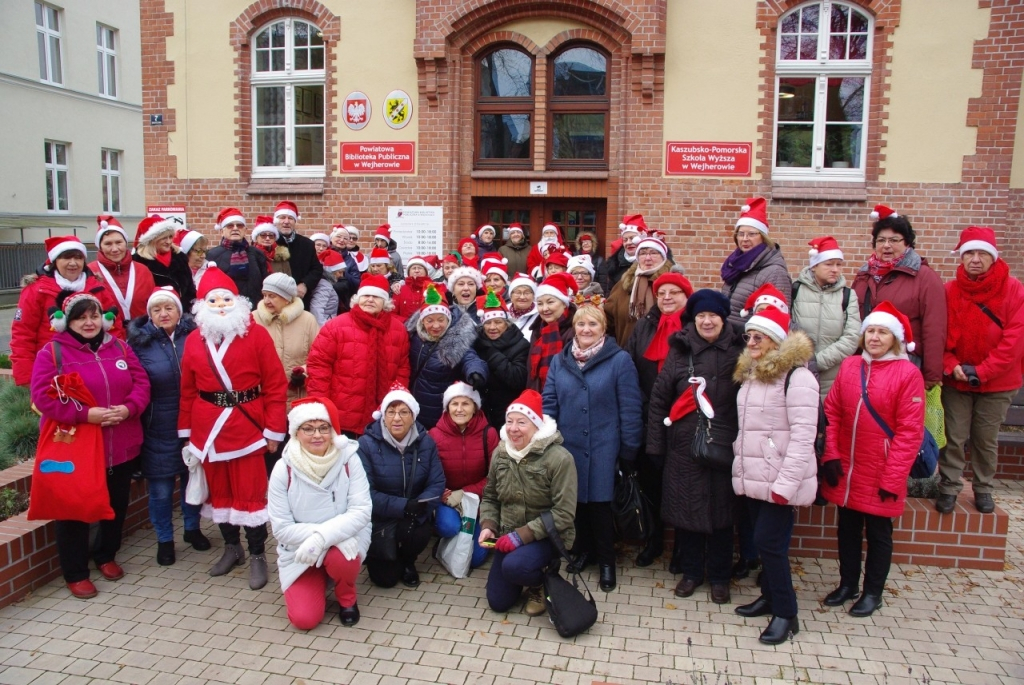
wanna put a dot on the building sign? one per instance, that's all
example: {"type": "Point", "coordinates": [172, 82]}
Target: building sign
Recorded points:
{"type": "Point", "coordinates": [378, 158]}
{"type": "Point", "coordinates": [707, 159]}
{"type": "Point", "coordinates": [417, 230]}
{"type": "Point", "coordinates": [174, 212]}
{"type": "Point", "coordinates": [397, 109]}
{"type": "Point", "coordinates": [356, 108]}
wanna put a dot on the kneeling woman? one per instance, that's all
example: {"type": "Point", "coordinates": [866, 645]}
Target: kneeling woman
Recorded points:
{"type": "Point", "coordinates": [530, 473]}
{"type": "Point", "coordinates": [406, 484]}
{"type": "Point", "coordinates": [319, 506]}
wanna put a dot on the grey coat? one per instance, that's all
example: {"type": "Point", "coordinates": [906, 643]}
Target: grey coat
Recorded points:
{"type": "Point", "coordinates": [819, 313]}
{"type": "Point", "coordinates": [770, 267]}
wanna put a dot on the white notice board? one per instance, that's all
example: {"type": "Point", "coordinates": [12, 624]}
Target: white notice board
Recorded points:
{"type": "Point", "coordinates": [417, 230]}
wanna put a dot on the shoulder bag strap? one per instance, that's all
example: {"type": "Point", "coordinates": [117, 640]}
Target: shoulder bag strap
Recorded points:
{"type": "Point", "coordinates": [867, 403]}
{"type": "Point", "coordinates": [793, 291]}
{"type": "Point", "coordinates": [556, 539]}
{"type": "Point", "coordinates": [990, 314]}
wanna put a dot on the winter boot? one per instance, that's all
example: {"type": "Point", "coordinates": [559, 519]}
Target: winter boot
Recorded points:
{"type": "Point", "coordinates": [234, 556]}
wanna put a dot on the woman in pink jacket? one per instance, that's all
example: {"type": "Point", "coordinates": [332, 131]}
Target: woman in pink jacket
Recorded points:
{"type": "Point", "coordinates": [875, 413]}
{"type": "Point", "coordinates": [775, 467]}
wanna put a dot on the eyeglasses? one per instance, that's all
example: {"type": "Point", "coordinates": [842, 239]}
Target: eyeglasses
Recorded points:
{"type": "Point", "coordinates": [888, 241]}
{"type": "Point", "coordinates": [744, 235]}
{"type": "Point", "coordinates": [669, 294]}
{"type": "Point", "coordinates": [198, 250]}
{"type": "Point", "coordinates": [400, 413]}
{"type": "Point", "coordinates": [322, 429]}
{"type": "Point", "coordinates": [757, 339]}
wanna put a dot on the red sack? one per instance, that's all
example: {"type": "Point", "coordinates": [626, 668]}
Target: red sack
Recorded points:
{"type": "Point", "coordinates": [69, 482]}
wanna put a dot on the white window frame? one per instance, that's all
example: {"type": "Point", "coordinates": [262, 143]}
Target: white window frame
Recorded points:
{"type": "Point", "coordinates": [106, 61]}
{"type": "Point", "coordinates": [288, 79]}
{"type": "Point", "coordinates": [50, 35]}
{"type": "Point", "coordinates": [53, 174]}
{"type": "Point", "coordinates": [112, 176]}
{"type": "Point", "coordinates": [821, 69]}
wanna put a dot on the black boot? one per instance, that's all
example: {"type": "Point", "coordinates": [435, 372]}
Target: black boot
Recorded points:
{"type": "Point", "coordinates": [840, 596]}
{"type": "Point", "coordinates": [676, 564]}
{"type": "Point", "coordinates": [349, 615]}
{"type": "Point", "coordinates": [197, 540]}
{"type": "Point", "coordinates": [759, 607]}
{"type": "Point", "coordinates": [866, 605]}
{"type": "Point", "coordinates": [779, 630]}
{"type": "Point", "coordinates": [579, 563]}
{"type": "Point", "coordinates": [165, 553]}
{"type": "Point", "coordinates": [651, 551]}
{"type": "Point", "coordinates": [607, 581]}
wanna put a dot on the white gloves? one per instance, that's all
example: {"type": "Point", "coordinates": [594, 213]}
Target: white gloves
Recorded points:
{"type": "Point", "coordinates": [349, 548]}
{"type": "Point", "coordinates": [309, 551]}
{"type": "Point", "coordinates": [189, 457]}
{"type": "Point", "coordinates": [455, 500]}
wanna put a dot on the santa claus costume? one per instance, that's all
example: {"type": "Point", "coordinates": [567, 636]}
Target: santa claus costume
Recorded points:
{"type": "Point", "coordinates": [232, 410]}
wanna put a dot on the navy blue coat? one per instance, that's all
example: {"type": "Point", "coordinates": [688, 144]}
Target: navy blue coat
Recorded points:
{"type": "Point", "coordinates": [161, 358]}
{"type": "Point", "coordinates": [598, 411]}
{"type": "Point", "coordinates": [435, 366]}
{"type": "Point", "coordinates": [384, 470]}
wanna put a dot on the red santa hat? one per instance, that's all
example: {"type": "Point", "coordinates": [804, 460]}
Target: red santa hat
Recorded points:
{"type": "Point", "coordinates": [886, 315]}
{"type": "Point", "coordinates": [492, 306]}
{"type": "Point", "coordinates": [824, 249]}
{"type": "Point", "coordinates": [653, 243]}
{"type": "Point", "coordinates": [882, 212]}
{"type": "Point", "coordinates": [692, 398]}
{"type": "Point", "coordinates": [362, 263]}
{"type": "Point", "coordinates": [513, 227]}
{"type": "Point", "coordinates": [476, 234]}
{"type": "Point", "coordinates": [522, 279]}
{"type": "Point", "coordinates": [766, 294]}
{"type": "Point", "coordinates": [105, 223]}
{"type": "Point", "coordinates": [264, 224]}
{"type": "Point", "coordinates": [632, 223]}
{"type": "Point", "coordinates": [383, 233]}
{"type": "Point", "coordinates": [674, 278]}
{"type": "Point", "coordinates": [582, 261]}
{"type": "Point", "coordinates": [468, 241]}
{"type": "Point", "coordinates": [215, 279]}
{"type": "Point", "coordinates": [58, 245]}
{"type": "Point", "coordinates": [460, 389]}
{"type": "Point", "coordinates": [153, 227]}
{"type": "Point", "coordinates": [754, 214]}
{"type": "Point", "coordinates": [452, 258]}
{"type": "Point", "coordinates": [321, 236]}
{"type": "Point", "coordinates": [433, 303]}
{"type": "Point", "coordinates": [286, 208]}
{"type": "Point", "coordinates": [466, 272]}
{"type": "Point", "coordinates": [186, 239]}
{"type": "Point", "coordinates": [66, 299]}
{"type": "Point", "coordinates": [332, 261]}
{"type": "Point", "coordinates": [977, 238]}
{"type": "Point", "coordinates": [494, 263]}
{"type": "Point", "coordinates": [772, 322]}
{"type": "Point", "coordinates": [530, 405]}
{"type": "Point", "coordinates": [560, 286]}
{"type": "Point", "coordinates": [314, 408]}
{"type": "Point", "coordinates": [165, 293]}
{"type": "Point", "coordinates": [379, 255]}
{"type": "Point", "coordinates": [559, 257]}
{"type": "Point", "coordinates": [398, 393]}
{"type": "Point", "coordinates": [376, 285]}
{"type": "Point", "coordinates": [417, 261]}
{"type": "Point", "coordinates": [230, 215]}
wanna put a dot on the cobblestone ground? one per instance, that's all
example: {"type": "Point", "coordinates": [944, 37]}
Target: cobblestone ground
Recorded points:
{"type": "Point", "coordinates": [177, 625]}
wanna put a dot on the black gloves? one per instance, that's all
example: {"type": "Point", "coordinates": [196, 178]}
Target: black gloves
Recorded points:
{"type": "Point", "coordinates": [885, 494]}
{"type": "Point", "coordinates": [832, 471]}
{"type": "Point", "coordinates": [297, 380]}
{"type": "Point", "coordinates": [972, 375]}
{"type": "Point", "coordinates": [414, 508]}
{"type": "Point", "coordinates": [477, 381]}
{"type": "Point", "coordinates": [627, 466]}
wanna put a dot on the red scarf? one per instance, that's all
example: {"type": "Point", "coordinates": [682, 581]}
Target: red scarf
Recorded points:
{"type": "Point", "coordinates": [967, 325]}
{"type": "Point", "coordinates": [376, 328]}
{"type": "Point", "coordinates": [269, 251]}
{"type": "Point", "coordinates": [879, 269]}
{"type": "Point", "coordinates": [164, 257]}
{"type": "Point", "coordinates": [545, 349]}
{"type": "Point", "coordinates": [657, 351]}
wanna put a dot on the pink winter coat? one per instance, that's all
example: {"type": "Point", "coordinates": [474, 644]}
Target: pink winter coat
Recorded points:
{"type": "Point", "coordinates": [869, 460]}
{"type": "Point", "coordinates": [775, 445]}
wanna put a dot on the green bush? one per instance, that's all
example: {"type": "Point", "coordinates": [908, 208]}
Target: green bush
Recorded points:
{"type": "Point", "coordinates": [5, 361]}
{"type": "Point", "coordinates": [19, 425]}
{"type": "Point", "coordinates": [12, 503]}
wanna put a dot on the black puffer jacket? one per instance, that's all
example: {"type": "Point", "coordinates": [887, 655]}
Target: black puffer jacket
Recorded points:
{"type": "Point", "coordinates": [508, 360]}
{"type": "Point", "coordinates": [693, 497]}
{"type": "Point", "coordinates": [306, 268]}
{"type": "Point", "coordinates": [178, 275]}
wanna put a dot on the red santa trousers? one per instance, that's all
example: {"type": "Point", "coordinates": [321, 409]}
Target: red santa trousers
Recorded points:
{"type": "Point", "coordinates": [305, 597]}
{"type": "Point", "coordinates": [238, 490]}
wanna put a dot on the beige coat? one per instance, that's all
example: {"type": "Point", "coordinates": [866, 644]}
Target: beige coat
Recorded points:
{"type": "Point", "coordinates": [819, 313]}
{"type": "Point", "coordinates": [293, 331]}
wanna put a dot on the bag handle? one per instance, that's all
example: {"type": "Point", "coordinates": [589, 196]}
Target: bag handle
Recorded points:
{"type": "Point", "coordinates": [553, 535]}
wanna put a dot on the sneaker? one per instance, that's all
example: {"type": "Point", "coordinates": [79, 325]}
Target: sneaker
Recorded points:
{"type": "Point", "coordinates": [984, 503]}
{"type": "Point", "coordinates": [945, 504]}
{"type": "Point", "coordinates": [535, 605]}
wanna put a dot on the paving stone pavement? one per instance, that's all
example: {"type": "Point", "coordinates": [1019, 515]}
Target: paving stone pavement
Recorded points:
{"type": "Point", "coordinates": [176, 624]}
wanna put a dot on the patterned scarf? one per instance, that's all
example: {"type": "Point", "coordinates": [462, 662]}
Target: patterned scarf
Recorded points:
{"type": "Point", "coordinates": [583, 356]}
{"type": "Point", "coordinates": [238, 266]}
{"type": "Point", "coordinates": [967, 326]}
{"type": "Point", "coordinates": [547, 347]}
{"type": "Point", "coordinates": [739, 262]}
{"type": "Point", "coordinates": [668, 324]}
{"type": "Point", "coordinates": [520, 313]}
{"type": "Point", "coordinates": [641, 297]}
{"type": "Point", "coordinates": [377, 329]}
{"type": "Point", "coordinates": [878, 269]}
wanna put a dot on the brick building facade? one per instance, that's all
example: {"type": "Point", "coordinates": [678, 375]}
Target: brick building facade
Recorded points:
{"type": "Point", "coordinates": [940, 79]}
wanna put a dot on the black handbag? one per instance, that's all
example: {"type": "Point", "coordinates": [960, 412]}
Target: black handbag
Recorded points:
{"type": "Point", "coordinates": [631, 509]}
{"type": "Point", "coordinates": [384, 533]}
{"type": "Point", "coordinates": [705, 449]}
{"type": "Point", "coordinates": [571, 610]}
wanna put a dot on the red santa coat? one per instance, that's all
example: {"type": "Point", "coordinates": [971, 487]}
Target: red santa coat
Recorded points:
{"type": "Point", "coordinates": [129, 282]}
{"type": "Point", "coordinates": [224, 433]}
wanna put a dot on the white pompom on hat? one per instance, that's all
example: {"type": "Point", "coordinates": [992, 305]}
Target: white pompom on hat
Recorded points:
{"type": "Point", "coordinates": [886, 315]}
{"type": "Point", "coordinates": [882, 212]}
{"type": "Point", "coordinates": [754, 214]}
{"type": "Point", "coordinates": [105, 223]}
{"type": "Point", "coordinates": [398, 393]}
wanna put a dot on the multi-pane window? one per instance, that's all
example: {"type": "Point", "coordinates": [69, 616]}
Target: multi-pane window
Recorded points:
{"type": "Point", "coordinates": [288, 99]}
{"type": "Point", "coordinates": [106, 60]}
{"type": "Point", "coordinates": [823, 79]}
{"type": "Point", "coordinates": [505, 108]}
{"type": "Point", "coordinates": [110, 175]}
{"type": "Point", "coordinates": [55, 158]}
{"type": "Point", "coordinates": [48, 40]}
{"type": "Point", "coordinates": [579, 108]}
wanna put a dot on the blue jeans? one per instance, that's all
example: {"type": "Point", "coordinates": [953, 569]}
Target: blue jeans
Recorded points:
{"type": "Point", "coordinates": [510, 573]}
{"type": "Point", "coordinates": [161, 507]}
{"type": "Point", "coordinates": [773, 530]}
{"type": "Point", "coordinates": [448, 523]}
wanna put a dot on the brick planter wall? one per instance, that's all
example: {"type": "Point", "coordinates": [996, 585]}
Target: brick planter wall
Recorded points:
{"type": "Point", "coordinates": [28, 549]}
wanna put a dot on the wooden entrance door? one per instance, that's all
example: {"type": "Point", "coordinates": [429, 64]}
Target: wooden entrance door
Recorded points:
{"type": "Point", "coordinates": [572, 216]}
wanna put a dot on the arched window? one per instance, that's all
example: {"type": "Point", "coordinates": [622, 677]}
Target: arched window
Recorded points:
{"type": "Point", "coordinates": [578, 106]}
{"type": "Point", "coordinates": [288, 78]}
{"type": "Point", "coordinates": [823, 74]}
{"type": "Point", "coordinates": [504, 108]}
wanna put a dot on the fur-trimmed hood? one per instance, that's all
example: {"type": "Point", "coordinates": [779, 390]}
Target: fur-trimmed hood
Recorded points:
{"type": "Point", "coordinates": [545, 436]}
{"type": "Point", "coordinates": [456, 341]}
{"type": "Point", "coordinates": [291, 311]}
{"type": "Point", "coordinates": [627, 278]}
{"type": "Point", "coordinates": [796, 350]}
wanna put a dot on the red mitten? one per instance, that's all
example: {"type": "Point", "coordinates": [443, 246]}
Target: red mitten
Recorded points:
{"type": "Point", "coordinates": [779, 499]}
{"type": "Point", "coordinates": [507, 544]}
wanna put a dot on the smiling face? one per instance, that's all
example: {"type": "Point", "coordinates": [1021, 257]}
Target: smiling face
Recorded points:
{"type": "Point", "coordinates": [165, 315]}
{"type": "Point", "coordinates": [878, 340]}
{"type": "Point", "coordinates": [522, 297]}
{"type": "Point", "coordinates": [436, 324]}
{"type": "Point", "coordinates": [889, 245]}
{"type": "Point", "coordinates": [113, 246]}
{"type": "Point", "coordinates": [315, 437]}
{"type": "Point", "coordinates": [233, 232]}
{"type": "Point", "coordinates": [977, 262]}
{"type": "Point", "coordinates": [494, 282]}
{"type": "Point", "coordinates": [461, 409]}
{"type": "Point", "coordinates": [519, 430]}
{"type": "Point", "coordinates": [582, 276]}
{"type": "Point", "coordinates": [516, 237]}
{"type": "Point", "coordinates": [70, 264]}
{"type": "Point", "coordinates": [671, 298]}
{"type": "Point", "coordinates": [549, 308]}
{"type": "Point", "coordinates": [340, 240]}
{"type": "Point", "coordinates": [197, 255]}
{"type": "Point", "coordinates": [709, 325]}
{"type": "Point", "coordinates": [495, 328]}
{"type": "Point", "coordinates": [587, 245]}
{"type": "Point", "coordinates": [759, 344]}
{"type": "Point", "coordinates": [589, 331]}
{"type": "Point", "coordinates": [89, 324]}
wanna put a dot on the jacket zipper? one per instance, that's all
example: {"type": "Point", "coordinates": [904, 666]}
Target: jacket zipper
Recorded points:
{"type": "Point", "coordinates": [109, 439]}
{"type": "Point", "coordinates": [853, 439]}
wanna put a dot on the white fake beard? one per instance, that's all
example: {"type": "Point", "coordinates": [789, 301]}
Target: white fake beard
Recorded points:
{"type": "Point", "coordinates": [217, 328]}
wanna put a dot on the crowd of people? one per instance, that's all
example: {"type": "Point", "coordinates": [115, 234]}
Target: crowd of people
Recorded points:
{"type": "Point", "coordinates": [357, 404]}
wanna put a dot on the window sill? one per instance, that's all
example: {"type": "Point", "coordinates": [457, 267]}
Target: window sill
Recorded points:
{"type": "Point", "coordinates": [836, 191]}
{"type": "Point", "coordinates": [539, 175]}
{"type": "Point", "coordinates": [285, 186]}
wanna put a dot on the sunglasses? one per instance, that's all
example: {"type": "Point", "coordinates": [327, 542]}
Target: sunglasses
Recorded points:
{"type": "Point", "coordinates": [756, 338]}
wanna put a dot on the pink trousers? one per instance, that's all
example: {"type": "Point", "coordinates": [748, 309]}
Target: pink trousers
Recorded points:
{"type": "Point", "coordinates": [305, 597]}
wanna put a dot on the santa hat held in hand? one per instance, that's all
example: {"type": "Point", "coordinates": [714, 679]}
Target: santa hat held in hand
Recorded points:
{"type": "Point", "coordinates": [692, 398]}
{"type": "Point", "coordinates": [886, 315]}
{"type": "Point", "coordinates": [398, 393]}
{"type": "Point", "coordinates": [530, 405]}
{"type": "Point", "coordinates": [560, 286]}
{"type": "Point", "coordinates": [766, 294]}
{"type": "Point", "coordinates": [286, 208]}
{"type": "Point", "coordinates": [315, 408]}
{"type": "Point", "coordinates": [105, 223]}
{"type": "Point", "coordinates": [754, 214]}
{"type": "Point", "coordinates": [824, 249]}
{"type": "Point", "coordinates": [977, 238]}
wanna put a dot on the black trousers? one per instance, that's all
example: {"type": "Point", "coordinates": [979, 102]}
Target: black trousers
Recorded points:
{"type": "Point", "coordinates": [851, 528]}
{"type": "Point", "coordinates": [73, 536]}
{"type": "Point", "coordinates": [595, 531]}
{"type": "Point", "coordinates": [773, 531]}
{"type": "Point", "coordinates": [700, 551]}
{"type": "Point", "coordinates": [412, 540]}
{"type": "Point", "coordinates": [255, 536]}
{"type": "Point", "coordinates": [650, 477]}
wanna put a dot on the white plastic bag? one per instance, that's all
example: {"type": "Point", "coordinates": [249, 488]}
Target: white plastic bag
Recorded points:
{"type": "Point", "coordinates": [197, 491]}
{"type": "Point", "coordinates": [456, 553]}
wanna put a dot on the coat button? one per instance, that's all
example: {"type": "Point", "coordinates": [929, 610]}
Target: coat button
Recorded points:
{"type": "Point", "coordinates": [586, 432]}
{"type": "Point", "coordinates": [584, 410]}
{"type": "Point", "coordinates": [587, 455]}
{"type": "Point", "coordinates": [584, 387]}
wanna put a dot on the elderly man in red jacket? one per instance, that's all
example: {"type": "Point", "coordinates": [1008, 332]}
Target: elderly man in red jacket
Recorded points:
{"type": "Point", "coordinates": [981, 364]}
{"type": "Point", "coordinates": [233, 393]}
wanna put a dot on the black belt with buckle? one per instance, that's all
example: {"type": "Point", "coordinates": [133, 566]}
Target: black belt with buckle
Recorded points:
{"type": "Point", "coordinates": [231, 398]}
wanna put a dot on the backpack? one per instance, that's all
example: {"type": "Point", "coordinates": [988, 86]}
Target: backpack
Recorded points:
{"type": "Point", "coordinates": [819, 437]}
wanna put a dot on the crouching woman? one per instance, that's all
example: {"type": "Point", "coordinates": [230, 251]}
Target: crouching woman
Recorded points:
{"type": "Point", "coordinates": [319, 505]}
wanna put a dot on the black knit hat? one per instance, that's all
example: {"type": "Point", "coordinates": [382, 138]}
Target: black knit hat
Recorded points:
{"type": "Point", "coordinates": [707, 300]}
